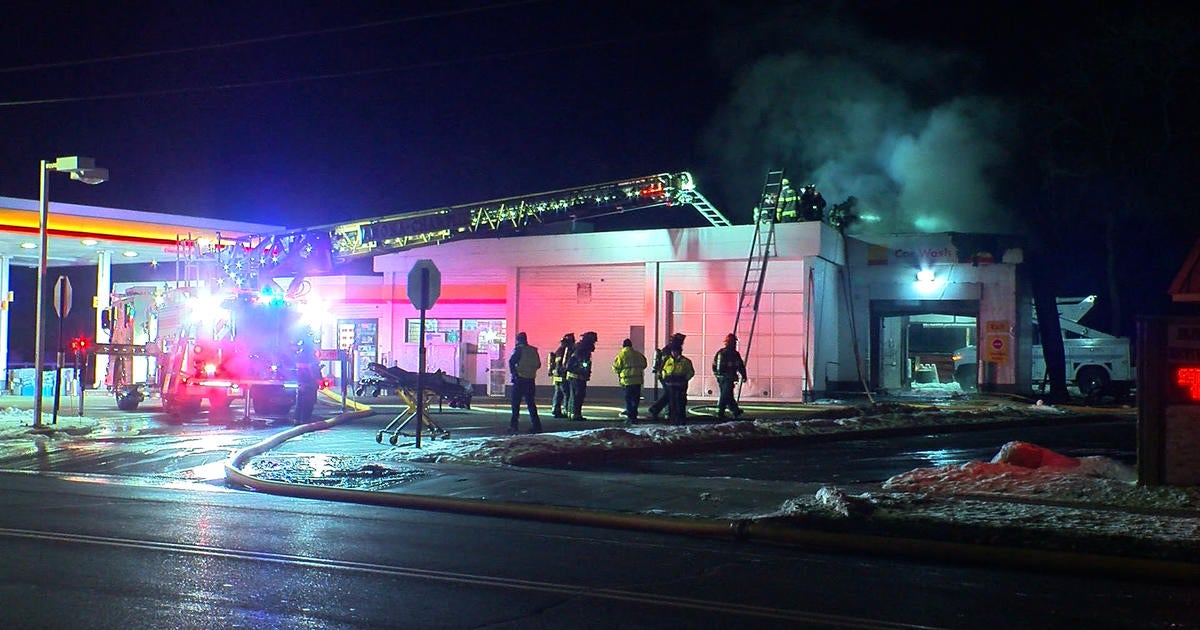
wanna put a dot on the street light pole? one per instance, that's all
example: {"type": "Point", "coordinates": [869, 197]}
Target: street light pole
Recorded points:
{"type": "Point", "coordinates": [82, 169]}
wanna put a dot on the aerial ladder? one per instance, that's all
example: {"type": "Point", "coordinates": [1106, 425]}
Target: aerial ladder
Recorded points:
{"type": "Point", "coordinates": [1070, 311]}
{"type": "Point", "coordinates": [253, 259]}
{"type": "Point", "coordinates": [762, 247]}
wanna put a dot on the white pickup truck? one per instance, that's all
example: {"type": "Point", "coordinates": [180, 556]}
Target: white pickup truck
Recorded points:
{"type": "Point", "coordinates": [1097, 362]}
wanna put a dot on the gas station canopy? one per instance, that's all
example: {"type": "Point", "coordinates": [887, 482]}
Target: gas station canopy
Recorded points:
{"type": "Point", "coordinates": [77, 234]}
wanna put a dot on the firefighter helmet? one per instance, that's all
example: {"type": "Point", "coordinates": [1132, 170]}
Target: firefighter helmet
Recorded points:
{"type": "Point", "coordinates": [730, 338]}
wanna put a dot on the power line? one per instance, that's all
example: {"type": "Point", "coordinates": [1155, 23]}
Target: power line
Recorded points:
{"type": "Point", "coordinates": [262, 40]}
{"type": "Point", "coordinates": [330, 76]}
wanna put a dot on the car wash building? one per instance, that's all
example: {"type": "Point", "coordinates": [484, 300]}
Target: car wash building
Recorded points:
{"type": "Point", "coordinates": [836, 314]}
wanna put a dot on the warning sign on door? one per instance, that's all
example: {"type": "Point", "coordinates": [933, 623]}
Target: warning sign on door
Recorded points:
{"type": "Point", "coordinates": [996, 348]}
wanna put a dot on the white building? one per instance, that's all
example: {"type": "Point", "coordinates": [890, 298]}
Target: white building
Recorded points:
{"type": "Point", "coordinates": [648, 284]}
{"type": "Point", "coordinates": [835, 315]}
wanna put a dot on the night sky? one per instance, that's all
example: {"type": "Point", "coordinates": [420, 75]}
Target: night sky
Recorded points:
{"type": "Point", "coordinates": [995, 117]}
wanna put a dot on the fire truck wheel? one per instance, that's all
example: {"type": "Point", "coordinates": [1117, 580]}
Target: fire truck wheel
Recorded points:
{"type": "Point", "coordinates": [178, 408]}
{"type": "Point", "coordinates": [219, 402]}
{"type": "Point", "coordinates": [271, 401]}
{"type": "Point", "coordinates": [270, 406]}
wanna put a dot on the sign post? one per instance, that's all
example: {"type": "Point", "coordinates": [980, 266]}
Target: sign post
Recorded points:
{"type": "Point", "coordinates": [424, 287]}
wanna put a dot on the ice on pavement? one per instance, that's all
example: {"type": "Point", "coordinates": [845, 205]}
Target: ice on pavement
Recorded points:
{"type": "Point", "coordinates": [1045, 492]}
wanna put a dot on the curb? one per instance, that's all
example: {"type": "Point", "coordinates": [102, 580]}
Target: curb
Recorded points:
{"type": "Point", "coordinates": [759, 531]}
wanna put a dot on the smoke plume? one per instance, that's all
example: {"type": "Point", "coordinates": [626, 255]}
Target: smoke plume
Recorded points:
{"type": "Point", "coordinates": [890, 125]}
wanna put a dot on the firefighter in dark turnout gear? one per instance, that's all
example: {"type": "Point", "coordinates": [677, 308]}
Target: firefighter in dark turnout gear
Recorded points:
{"type": "Point", "coordinates": [556, 364]}
{"type": "Point", "coordinates": [660, 356]}
{"type": "Point", "coordinates": [812, 204]}
{"type": "Point", "coordinates": [727, 366]}
{"type": "Point", "coordinates": [524, 365]}
{"type": "Point", "coordinates": [308, 380]}
{"type": "Point", "coordinates": [579, 371]}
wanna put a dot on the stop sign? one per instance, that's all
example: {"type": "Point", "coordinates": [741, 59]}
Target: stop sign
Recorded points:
{"type": "Point", "coordinates": [424, 284]}
{"type": "Point", "coordinates": [62, 296]}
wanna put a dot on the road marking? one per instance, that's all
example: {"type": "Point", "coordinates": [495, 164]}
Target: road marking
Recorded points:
{"type": "Point", "coordinates": [731, 608]}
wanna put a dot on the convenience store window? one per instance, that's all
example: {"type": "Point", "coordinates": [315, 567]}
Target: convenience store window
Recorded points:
{"type": "Point", "coordinates": [478, 331]}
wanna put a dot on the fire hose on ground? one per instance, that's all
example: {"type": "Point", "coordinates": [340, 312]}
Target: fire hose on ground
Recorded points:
{"type": "Point", "coordinates": [743, 530]}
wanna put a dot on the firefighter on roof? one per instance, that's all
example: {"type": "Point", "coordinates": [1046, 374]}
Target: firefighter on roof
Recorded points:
{"type": "Point", "coordinates": [786, 212]}
{"type": "Point", "coordinates": [812, 204]}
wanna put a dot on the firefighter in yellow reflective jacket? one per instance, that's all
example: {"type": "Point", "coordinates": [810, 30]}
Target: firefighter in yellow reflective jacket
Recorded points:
{"type": "Point", "coordinates": [556, 364]}
{"type": "Point", "coordinates": [630, 367]}
{"type": "Point", "coordinates": [677, 370]}
{"type": "Point", "coordinates": [660, 356]}
{"type": "Point", "coordinates": [524, 365]}
{"type": "Point", "coordinates": [786, 212]}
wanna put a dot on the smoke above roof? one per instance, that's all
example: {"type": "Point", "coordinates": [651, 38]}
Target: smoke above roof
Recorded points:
{"type": "Point", "coordinates": [881, 122]}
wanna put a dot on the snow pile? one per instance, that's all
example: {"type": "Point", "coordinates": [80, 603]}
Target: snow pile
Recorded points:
{"type": "Point", "coordinates": [650, 440]}
{"type": "Point", "coordinates": [18, 424]}
{"type": "Point", "coordinates": [836, 500]}
{"type": "Point", "coordinates": [1024, 470]}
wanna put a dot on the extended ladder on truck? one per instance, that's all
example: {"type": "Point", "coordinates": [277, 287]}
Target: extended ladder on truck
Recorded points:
{"type": "Point", "coordinates": [315, 250]}
{"type": "Point", "coordinates": [762, 247]}
{"type": "Point", "coordinates": [1071, 310]}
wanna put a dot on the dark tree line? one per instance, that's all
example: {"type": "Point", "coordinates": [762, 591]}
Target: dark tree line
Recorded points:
{"type": "Point", "coordinates": [1113, 128]}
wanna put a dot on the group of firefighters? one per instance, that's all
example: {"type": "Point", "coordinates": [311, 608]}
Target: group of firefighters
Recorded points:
{"type": "Point", "coordinates": [805, 204]}
{"type": "Point", "coordinates": [570, 367]}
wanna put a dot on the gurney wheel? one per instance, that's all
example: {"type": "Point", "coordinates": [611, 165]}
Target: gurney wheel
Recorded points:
{"type": "Point", "coordinates": [393, 439]}
{"type": "Point", "coordinates": [379, 437]}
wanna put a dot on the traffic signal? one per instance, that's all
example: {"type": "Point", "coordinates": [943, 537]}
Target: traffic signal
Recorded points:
{"type": "Point", "coordinates": [80, 344]}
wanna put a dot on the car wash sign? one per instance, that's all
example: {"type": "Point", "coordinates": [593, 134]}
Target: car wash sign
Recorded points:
{"type": "Point", "coordinates": [1169, 401]}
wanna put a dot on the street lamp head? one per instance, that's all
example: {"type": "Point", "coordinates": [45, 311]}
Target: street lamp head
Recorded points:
{"type": "Point", "coordinates": [81, 169]}
{"type": "Point", "coordinates": [91, 176]}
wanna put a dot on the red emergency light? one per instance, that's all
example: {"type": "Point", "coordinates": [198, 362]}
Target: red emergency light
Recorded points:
{"type": "Point", "coordinates": [1188, 377]}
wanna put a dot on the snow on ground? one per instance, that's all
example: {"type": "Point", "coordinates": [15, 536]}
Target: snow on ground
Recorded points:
{"type": "Point", "coordinates": [16, 424]}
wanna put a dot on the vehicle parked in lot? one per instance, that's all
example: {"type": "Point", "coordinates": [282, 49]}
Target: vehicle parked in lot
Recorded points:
{"type": "Point", "coordinates": [1097, 362]}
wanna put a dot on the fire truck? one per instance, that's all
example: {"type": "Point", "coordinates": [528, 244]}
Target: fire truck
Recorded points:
{"type": "Point", "coordinates": [201, 343]}
{"type": "Point", "coordinates": [226, 330]}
